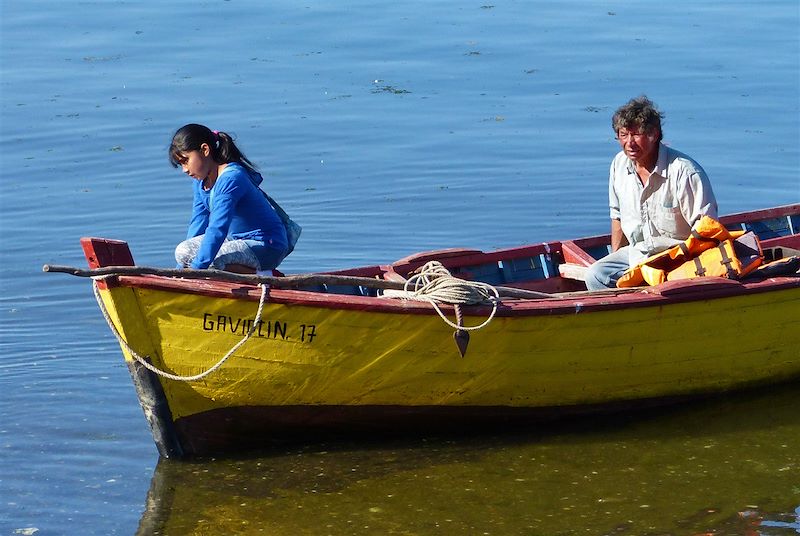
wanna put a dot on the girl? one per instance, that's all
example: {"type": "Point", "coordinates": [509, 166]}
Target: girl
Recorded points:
{"type": "Point", "coordinates": [233, 227]}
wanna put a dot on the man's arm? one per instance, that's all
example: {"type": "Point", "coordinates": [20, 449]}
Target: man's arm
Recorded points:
{"type": "Point", "coordinates": [618, 239]}
{"type": "Point", "coordinates": [696, 197]}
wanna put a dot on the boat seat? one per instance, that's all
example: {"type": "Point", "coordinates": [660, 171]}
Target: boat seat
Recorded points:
{"type": "Point", "coordinates": [576, 261]}
{"type": "Point", "coordinates": [574, 271]}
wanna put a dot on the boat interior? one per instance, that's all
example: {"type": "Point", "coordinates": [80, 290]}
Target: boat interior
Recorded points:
{"type": "Point", "coordinates": [559, 266]}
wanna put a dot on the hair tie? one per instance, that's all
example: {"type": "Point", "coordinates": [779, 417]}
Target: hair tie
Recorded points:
{"type": "Point", "coordinates": [216, 137]}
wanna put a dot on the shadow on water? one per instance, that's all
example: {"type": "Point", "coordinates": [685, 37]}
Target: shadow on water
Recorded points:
{"type": "Point", "coordinates": [695, 468]}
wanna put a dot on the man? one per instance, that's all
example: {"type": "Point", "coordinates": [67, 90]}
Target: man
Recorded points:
{"type": "Point", "coordinates": [655, 194]}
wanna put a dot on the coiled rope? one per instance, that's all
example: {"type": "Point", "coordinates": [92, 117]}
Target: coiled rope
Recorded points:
{"type": "Point", "coordinates": [143, 361]}
{"type": "Point", "coordinates": [434, 284]}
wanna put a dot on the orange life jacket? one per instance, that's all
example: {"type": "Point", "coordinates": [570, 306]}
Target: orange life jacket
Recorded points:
{"type": "Point", "coordinates": [710, 250]}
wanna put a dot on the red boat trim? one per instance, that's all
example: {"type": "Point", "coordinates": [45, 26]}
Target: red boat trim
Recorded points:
{"type": "Point", "coordinates": [104, 252]}
{"type": "Point", "coordinates": [670, 292]}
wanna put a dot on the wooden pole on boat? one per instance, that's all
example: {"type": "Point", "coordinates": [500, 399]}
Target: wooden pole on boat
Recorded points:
{"type": "Point", "coordinates": [156, 410]}
{"type": "Point", "coordinates": [297, 281]}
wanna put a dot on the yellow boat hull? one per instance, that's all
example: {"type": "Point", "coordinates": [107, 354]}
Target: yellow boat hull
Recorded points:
{"type": "Point", "coordinates": [310, 365]}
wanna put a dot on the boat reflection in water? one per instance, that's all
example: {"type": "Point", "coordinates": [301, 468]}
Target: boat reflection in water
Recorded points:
{"type": "Point", "coordinates": [725, 465]}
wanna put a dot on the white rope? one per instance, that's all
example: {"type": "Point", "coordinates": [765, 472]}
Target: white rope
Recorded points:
{"type": "Point", "coordinates": [434, 284]}
{"type": "Point", "coordinates": [165, 374]}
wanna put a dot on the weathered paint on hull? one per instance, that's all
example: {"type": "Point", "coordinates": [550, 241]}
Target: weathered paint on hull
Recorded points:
{"type": "Point", "coordinates": [312, 365]}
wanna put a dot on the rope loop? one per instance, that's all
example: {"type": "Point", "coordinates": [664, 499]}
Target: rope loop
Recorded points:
{"type": "Point", "coordinates": [143, 360]}
{"type": "Point", "coordinates": [434, 284]}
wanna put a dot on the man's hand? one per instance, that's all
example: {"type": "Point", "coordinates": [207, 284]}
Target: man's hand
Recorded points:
{"type": "Point", "coordinates": [618, 239]}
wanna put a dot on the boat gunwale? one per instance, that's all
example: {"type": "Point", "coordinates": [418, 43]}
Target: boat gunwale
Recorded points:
{"type": "Point", "coordinates": [701, 289]}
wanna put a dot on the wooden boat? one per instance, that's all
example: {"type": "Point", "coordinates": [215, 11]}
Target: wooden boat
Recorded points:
{"type": "Point", "coordinates": [331, 352]}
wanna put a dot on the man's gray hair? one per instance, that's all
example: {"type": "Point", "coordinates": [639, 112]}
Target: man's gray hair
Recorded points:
{"type": "Point", "coordinates": [639, 113]}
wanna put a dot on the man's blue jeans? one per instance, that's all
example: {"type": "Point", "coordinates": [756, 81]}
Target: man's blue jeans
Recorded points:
{"type": "Point", "coordinates": [605, 272]}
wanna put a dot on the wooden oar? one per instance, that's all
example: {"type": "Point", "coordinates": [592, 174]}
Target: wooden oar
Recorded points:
{"type": "Point", "coordinates": [284, 282]}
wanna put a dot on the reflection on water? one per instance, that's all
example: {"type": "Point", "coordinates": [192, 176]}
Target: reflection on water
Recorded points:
{"type": "Point", "coordinates": [707, 468]}
{"type": "Point", "coordinates": [786, 524]}
{"type": "Point", "coordinates": [441, 124]}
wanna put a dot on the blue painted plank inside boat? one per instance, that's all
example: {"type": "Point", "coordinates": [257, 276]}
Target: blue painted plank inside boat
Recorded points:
{"type": "Point", "coordinates": [772, 228]}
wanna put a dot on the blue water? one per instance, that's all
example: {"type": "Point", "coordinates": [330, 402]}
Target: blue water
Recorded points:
{"type": "Point", "coordinates": [384, 129]}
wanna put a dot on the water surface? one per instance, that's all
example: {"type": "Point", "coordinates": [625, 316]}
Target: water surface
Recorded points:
{"type": "Point", "coordinates": [384, 129]}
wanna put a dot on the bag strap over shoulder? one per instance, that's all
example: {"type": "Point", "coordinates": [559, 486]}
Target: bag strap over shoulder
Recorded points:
{"type": "Point", "coordinates": [293, 230]}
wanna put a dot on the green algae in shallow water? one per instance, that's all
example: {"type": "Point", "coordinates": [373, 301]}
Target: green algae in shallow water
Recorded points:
{"type": "Point", "coordinates": [712, 467]}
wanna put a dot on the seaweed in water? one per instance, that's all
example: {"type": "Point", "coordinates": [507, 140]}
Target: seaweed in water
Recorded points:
{"type": "Point", "coordinates": [390, 89]}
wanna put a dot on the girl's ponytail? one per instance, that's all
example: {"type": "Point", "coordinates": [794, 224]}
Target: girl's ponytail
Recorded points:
{"type": "Point", "coordinates": [223, 150]}
{"type": "Point", "coordinates": [226, 151]}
